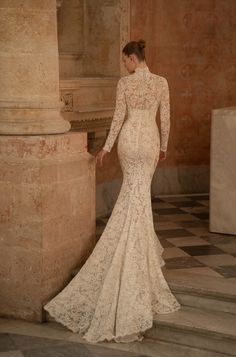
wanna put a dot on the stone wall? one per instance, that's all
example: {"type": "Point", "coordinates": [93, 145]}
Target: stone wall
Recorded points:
{"type": "Point", "coordinates": [89, 38]}
{"type": "Point", "coordinates": [193, 45]}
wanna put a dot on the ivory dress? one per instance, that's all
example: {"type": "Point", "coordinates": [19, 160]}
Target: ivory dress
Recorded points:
{"type": "Point", "coordinates": [119, 290]}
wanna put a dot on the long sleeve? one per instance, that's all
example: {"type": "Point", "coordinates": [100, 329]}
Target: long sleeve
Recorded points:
{"type": "Point", "coordinates": [118, 117]}
{"type": "Point", "coordinates": [165, 115]}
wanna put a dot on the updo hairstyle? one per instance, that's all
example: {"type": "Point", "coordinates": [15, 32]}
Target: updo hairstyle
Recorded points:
{"type": "Point", "coordinates": [137, 48]}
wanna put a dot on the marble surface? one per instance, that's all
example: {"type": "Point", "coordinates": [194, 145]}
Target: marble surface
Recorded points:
{"type": "Point", "coordinates": [169, 180]}
{"type": "Point", "coordinates": [223, 171]}
{"type": "Point", "coordinates": [17, 345]}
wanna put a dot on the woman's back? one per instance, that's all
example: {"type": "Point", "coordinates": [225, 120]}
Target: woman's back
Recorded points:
{"type": "Point", "coordinates": [141, 90]}
{"type": "Point", "coordinates": [121, 288]}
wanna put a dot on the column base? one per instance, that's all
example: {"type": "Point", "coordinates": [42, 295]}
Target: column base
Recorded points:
{"type": "Point", "coordinates": [47, 218]}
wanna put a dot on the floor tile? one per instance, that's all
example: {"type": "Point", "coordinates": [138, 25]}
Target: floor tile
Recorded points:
{"type": "Point", "coordinates": [156, 199]}
{"type": "Point", "coordinates": [201, 215]}
{"type": "Point", "coordinates": [173, 233]}
{"type": "Point", "coordinates": [198, 231]}
{"type": "Point", "coordinates": [199, 197]}
{"type": "Point", "coordinates": [202, 250]}
{"type": "Point", "coordinates": [195, 209]}
{"type": "Point", "coordinates": [11, 354]}
{"type": "Point", "coordinates": [68, 350]}
{"type": "Point", "coordinates": [108, 352]}
{"type": "Point", "coordinates": [34, 346]}
{"type": "Point", "coordinates": [24, 342]}
{"type": "Point", "coordinates": [180, 217]}
{"type": "Point", "coordinates": [182, 262]}
{"type": "Point", "coordinates": [6, 343]}
{"type": "Point", "coordinates": [193, 223]}
{"type": "Point", "coordinates": [189, 203]}
{"type": "Point", "coordinates": [204, 202]}
{"type": "Point", "coordinates": [173, 252]}
{"type": "Point", "coordinates": [219, 238]}
{"type": "Point", "coordinates": [165, 211]}
{"type": "Point", "coordinates": [228, 247]}
{"type": "Point", "coordinates": [157, 205]}
{"type": "Point", "coordinates": [217, 260]}
{"type": "Point", "coordinates": [199, 270]}
{"type": "Point", "coordinates": [228, 271]}
{"type": "Point", "coordinates": [166, 225]}
{"type": "Point", "coordinates": [174, 198]}
{"type": "Point", "coordinates": [165, 243]}
{"type": "Point", "coordinates": [159, 218]}
{"type": "Point", "coordinates": [187, 241]}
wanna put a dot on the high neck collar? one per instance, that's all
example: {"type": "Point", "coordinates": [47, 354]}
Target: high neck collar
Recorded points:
{"type": "Point", "coordinates": [142, 69]}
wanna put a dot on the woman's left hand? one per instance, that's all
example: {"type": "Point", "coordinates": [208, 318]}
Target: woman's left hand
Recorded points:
{"type": "Point", "coordinates": [162, 155]}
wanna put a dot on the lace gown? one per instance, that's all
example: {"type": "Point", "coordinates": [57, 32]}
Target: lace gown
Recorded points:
{"type": "Point", "coordinates": [119, 290]}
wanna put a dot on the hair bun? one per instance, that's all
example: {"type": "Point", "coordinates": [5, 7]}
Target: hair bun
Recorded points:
{"type": "Point", "coordinates": [142, 44]}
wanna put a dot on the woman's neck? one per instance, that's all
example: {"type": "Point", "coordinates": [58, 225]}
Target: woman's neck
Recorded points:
{"type": "Point", "coordinates": [141, 65]}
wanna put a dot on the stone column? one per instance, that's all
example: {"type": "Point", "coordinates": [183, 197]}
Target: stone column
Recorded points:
{"type": "Point", "coordinates": [29, 73]}
{"type": "Point", "coordinates": [47, 182]}
{"type": "Point", "coordinates": [223, 171]}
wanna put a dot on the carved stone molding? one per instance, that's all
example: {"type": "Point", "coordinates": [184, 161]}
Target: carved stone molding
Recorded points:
{"type": "Point", "coordinates": [93, 125]}
{"type": "Point", "coordinates": [67, 99]}
{"type": "Point", "coordinates": [88, 102]}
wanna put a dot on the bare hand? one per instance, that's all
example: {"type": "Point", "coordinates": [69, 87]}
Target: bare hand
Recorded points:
{"type": "Point", "coordinates": [99, 157]}
{"type": "Point", "coordinates": [162, 155]}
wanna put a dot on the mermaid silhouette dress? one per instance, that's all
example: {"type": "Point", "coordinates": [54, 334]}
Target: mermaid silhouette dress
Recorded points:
{"type": "Point", "coordinates": [121, 288]}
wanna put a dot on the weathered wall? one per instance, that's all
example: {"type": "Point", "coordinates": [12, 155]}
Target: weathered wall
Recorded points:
{"type": "Point", "coordinates": [88, 37]}
{"type": "Point", "coordinates": [193, 44]}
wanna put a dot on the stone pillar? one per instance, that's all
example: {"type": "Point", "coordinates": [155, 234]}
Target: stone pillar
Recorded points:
{"type": "Point", "coordinates": [47, 218]}
{"type": "Point", "coordinates": [223, 171]}
{"type": "Point", "coordinates": [29, 73]}
{"type": "Point", "coordinates": [47, 182]}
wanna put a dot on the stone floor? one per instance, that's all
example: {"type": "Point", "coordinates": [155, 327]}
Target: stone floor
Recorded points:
{"type": "Point", "coordinates": [18, 345]}
{"type": "Point", "coordinates": [181, 223]}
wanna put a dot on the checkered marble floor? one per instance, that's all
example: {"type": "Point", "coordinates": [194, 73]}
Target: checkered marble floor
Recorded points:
{"type": "Point", "coordinates": [182, 225]}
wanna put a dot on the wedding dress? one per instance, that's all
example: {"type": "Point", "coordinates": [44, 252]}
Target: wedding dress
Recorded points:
{"type": "Point", "coordinates": [120, 288]}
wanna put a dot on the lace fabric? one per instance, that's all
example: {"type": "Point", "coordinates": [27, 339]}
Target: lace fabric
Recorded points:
{"type": "Point", "coordinates": [141, 90]}
{"type": "Point", "coordinates": [121, 288]}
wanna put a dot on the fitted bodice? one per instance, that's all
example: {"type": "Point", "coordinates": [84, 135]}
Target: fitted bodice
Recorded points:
{"type": "Point", "coordinates": [144, 115]}
{"type": "Point", "coordinates": [141, 90]}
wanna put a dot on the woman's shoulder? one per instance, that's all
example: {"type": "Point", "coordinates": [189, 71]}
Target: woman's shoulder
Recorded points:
{"type": "Point", "coordinates": [160, 78]}
{"type": "Point", "coordinates": [125, 78]}
{"type": "Point", "coordinates": [131, 77]}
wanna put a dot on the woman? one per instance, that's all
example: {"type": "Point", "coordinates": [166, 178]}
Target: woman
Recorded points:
{"type": "Point", "coordinates": [119, 290]}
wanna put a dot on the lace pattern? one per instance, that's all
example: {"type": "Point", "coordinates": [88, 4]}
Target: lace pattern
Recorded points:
{"type": "Point", "coordinates": [141, 90]}
{"type": "Point", "coordinates": [120, 289]}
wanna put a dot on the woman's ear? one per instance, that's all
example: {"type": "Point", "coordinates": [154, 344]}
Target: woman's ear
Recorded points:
{"type": "Point", "coordinates": [132, 57]}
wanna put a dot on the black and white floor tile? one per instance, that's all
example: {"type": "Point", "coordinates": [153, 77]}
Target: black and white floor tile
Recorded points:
{"type": "Point", "coordinates": [182, 225]}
